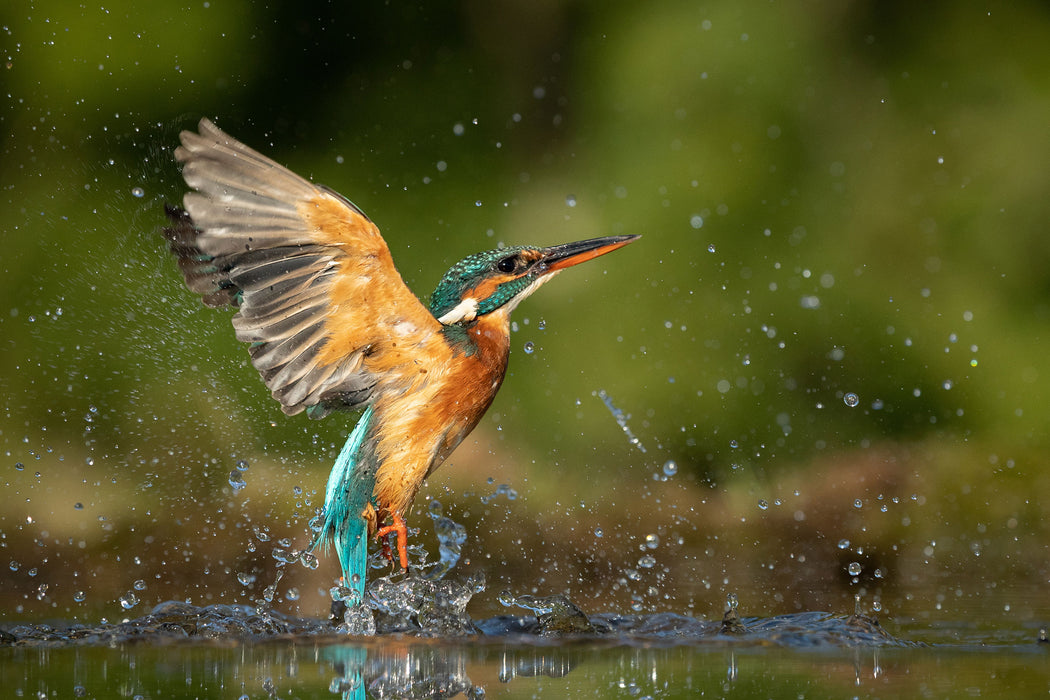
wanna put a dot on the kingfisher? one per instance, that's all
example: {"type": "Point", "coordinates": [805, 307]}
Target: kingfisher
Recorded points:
{"type": "Point", "coordinates": [331, 326]}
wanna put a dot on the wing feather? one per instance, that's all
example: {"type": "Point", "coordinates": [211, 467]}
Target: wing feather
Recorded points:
{"type": "Point", "coordinates": [270, 356]}
{"type": "Point", "coordinates": [306, 270]}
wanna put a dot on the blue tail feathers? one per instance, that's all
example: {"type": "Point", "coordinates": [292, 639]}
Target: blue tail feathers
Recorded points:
{"type": "Point", "coordinates": [349, 491]}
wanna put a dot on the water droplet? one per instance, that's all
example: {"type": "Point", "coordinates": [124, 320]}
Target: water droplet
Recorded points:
{"type": "Point", "coordinates": [237, 481]}
{"type": "Point", "coordinates": [139, 585]}
{"type": "Point", "coordinates": [858, 503]}
{"type": "Point", "coordinates": [339, 593]}
{"type": "Point", "coordinates": [41, 591]}
{"type": "Point", "coordinates": [19, 466]}
{"type": "Point", "coordinates": [138, 192]}
{"type": "Point", "coordinates": [670, 467]}
{"type": "Point", "coordinates": [711, 248]}
{"type": "Point", "coordinates": [851, 399]}
{"type": "Point", "coordinates": [270, 591]}
{"type": "Point", "coordinates": [570, 200]}
{"type": "Point", "coordinates": [652, 541]}
{"type": "Point", "coordinates": [78, 506]}
{"type": "Point", "coordinates": [529, 347]}
{"type": "Point", "coordinates": [541, 324]}
{"type": "Point", "coordinates": [283, 556]}
{"type": "Point", "coordinates": [14, 565]}
{"type": "Point", "coordinates": [854, 568]}
{"type": "Point", "coordinates": [843, 544]}
{"type": "Point", "coordinates": [647, 561]}
{"type": "Point", "coordinates": [477, 202]}
{"type": "Point", "coordinates": [763, 504]}
{"type": "Point", "coordinates": [245, 579]}
{"type": "Point", "coordinates": [129, 600]}
{"type": "Point", "coordinates": [80, 596]}
{"type": "Point", "coordinates": [732, 602]}
{"type": "Point", "coordinates": [696, 221]}
{"type": "Point", "coordinates": [241, 465]}
{"type": "Point", "coordinates": [598, 532]}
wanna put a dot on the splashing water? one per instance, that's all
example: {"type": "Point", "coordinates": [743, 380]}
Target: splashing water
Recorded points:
{"type": "Point", "coordinates": [556, 614]}
{"type": "Point", "coordinates": [237, 481]}
{"type": "Point", "coordinates": [501, 490]}
{"type": "Point", "coordinates": [420, 601]}
{"type": "Point", "coordinates": [621, 419]}
{"type": "Point", "coordinates": [424, 602]}
{"type": "Point", "coordinates": [451, 537]}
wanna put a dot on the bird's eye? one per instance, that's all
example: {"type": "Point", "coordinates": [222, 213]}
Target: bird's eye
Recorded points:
{"type": "Point", "coordinates": [507, 264]}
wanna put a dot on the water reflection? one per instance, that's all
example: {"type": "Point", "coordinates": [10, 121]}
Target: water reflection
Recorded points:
{"type": "Point", "coordinates": [403, 667]}
{"type": "Point", "coordinates": [400, 671]}
{"type": "Point", "coordinates": [412, 671]}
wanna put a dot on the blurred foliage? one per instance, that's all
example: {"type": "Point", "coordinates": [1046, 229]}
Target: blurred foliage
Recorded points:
{"type": "Point", "coordinates": [835, 198]}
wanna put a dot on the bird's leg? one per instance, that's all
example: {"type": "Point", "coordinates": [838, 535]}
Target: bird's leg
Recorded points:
{"type": "Point", "coordinates": [397, 525]}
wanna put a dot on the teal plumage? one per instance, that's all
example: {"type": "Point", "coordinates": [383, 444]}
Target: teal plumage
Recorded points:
{"type": "Point", "coordinates": [462, 277]}
{"type": "Point", "coordinates": [347, 494]}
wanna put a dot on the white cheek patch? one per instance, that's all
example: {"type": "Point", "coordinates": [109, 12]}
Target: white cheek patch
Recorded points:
{"type": "Point", "coordinates": [466, 310]}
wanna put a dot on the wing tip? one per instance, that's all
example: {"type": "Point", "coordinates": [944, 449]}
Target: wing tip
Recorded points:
{"type": "Point", "coordinates": [198, 268]}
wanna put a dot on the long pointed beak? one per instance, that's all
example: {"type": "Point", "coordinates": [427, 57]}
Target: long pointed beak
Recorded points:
{"type": "Point", "coordinates": [559, 257]}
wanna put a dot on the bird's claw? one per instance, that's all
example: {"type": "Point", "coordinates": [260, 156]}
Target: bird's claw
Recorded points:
{"type": "Point", "coordinates": [388, 553]}
{"type": "Point", "coordinates": [397, 525]}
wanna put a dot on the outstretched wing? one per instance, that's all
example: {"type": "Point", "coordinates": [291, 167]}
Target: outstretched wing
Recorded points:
{"type": "Point", "coordinates": [316, 290]}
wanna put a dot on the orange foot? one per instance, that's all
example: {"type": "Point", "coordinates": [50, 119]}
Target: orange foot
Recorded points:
{"type": "Point", "coordinates": [397, 525]}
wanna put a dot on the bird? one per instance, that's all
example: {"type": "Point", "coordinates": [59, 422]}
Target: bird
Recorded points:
{"type": "Point", "coordinates": [332, 326]}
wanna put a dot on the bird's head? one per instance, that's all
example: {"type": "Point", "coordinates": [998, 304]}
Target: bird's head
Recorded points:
{"type": "Point", "coordinates": [501, 279]}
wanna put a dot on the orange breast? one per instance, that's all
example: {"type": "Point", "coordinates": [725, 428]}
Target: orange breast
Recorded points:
{"type": "Point", "coordinates": [422, 420]}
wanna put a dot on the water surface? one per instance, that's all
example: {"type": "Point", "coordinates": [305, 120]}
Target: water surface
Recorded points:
{"type": "Point", "coordinates": [180, 650]}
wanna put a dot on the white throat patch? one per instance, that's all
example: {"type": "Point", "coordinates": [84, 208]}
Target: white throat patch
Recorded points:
{"type": "Point", "coordinates": [527, 292]}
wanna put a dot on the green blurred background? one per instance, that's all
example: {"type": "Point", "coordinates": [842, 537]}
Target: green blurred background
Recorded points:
{"type": "Point", "coordinates": [836, 199]}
